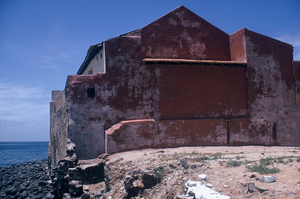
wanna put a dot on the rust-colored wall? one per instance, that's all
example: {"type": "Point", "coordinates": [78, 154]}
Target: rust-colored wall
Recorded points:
{"type": "Point", "coordinates": [245, 132]}
{"type": "Point", "coordinates": [129, 82]}
{"type": "Point", "coordinates": [183, 34]}
{"type": "Point", "coordinates": [238, 46]}
{"type": "Point", "coordinates": [270, 71]}
{"type": "Point", "coordinates": [176, 133]}
{"type": "Point", "coordinates": [168, 133]}
{"type": "Point", "coordinates": [271, 88]}
{"type": "Point", "coordinates": [197, 91]}
{"type": "Point", "coordinates": [189, 102]}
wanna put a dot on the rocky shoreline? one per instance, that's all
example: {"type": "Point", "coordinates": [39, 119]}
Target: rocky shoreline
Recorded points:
{"type": "Point", "coordinates": [178, 173]}
{"type": "Point", "coordinates": [26, 180]}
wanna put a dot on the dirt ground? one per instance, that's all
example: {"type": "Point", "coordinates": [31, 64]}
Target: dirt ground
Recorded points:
{"type": "Point", "coordinates": [227, 170]}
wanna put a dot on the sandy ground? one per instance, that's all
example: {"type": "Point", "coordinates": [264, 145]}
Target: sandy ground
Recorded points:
{"type": "Point", "coordinates": [212, 161]}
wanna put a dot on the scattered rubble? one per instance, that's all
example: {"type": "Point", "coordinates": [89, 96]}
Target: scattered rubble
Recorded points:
{"type": "Point", "coordinates": [182, 173]}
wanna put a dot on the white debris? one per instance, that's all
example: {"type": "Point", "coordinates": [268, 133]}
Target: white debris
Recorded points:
{"type": "Point", "coordinates": [200, 191]}
{"type": "Point", "coordinates": [203, 177]}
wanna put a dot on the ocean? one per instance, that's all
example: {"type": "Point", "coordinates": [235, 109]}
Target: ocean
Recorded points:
{"type": "Point", "coordinates": [21, 152]}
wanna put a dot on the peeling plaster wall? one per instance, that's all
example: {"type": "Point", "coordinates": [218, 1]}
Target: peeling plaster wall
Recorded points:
{"type": "Point", "coordinates": [85, 127]}
{"type": "Point", "coordinates": [169, 133]}
{"type": "Point", "coordinates": [136, 105]}
{"type": "Point", "coordinates": [128, 90]}
{"type": "Point", "coordinates": [271, 89]}
{"type": "Point", "coordinates": [183, 34]}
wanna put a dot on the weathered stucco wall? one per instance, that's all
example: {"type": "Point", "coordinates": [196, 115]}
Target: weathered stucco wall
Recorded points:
{"type": "Point", "coordinates": [271, 90]}
{"type": "Point", "coordinates": [134, 135]}
{"type": "Point", "coordinates": [183, 34]}
{"type": "Point", "coordinates": [85, 103]}
{"type": "Point", "coordinates": [200, 91]}
{"type": "Point", "coordinates": [137, 105]}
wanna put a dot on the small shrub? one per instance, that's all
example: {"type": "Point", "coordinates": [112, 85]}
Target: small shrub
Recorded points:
{"type": "Point", "coordinates": [266, 161]}
{"type": "Point", "coordinates": [216, 156]}
{"type": "Point", "coordinates": [195, 152]}
{"type": "Point", "coordinates": [160, 173]}
{"type": "Point", "coordinates": [262, 169]}
{"type": "Point", "coordinates": [281, 160]}
{"type": "Point", "coordinates": [239, 157]}
{"type": "Point", "coordinates": [233, 163]}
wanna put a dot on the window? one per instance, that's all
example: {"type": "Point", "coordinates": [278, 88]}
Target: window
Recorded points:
{"type": "Point", "coordinates": [91, 92]}
{"type": "Point", "coordinates": [90, 71]}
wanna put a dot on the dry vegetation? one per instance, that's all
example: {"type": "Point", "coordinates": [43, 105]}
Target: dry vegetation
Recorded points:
{"type": "Point", "coordinates": [227, 169]}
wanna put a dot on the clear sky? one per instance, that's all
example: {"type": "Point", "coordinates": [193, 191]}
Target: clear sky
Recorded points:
{"type": "Point", "coordinates": [43, 41]}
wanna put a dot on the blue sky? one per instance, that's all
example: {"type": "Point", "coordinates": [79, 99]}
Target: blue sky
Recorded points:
{"type": "Point", "coordinates": [41, 42]}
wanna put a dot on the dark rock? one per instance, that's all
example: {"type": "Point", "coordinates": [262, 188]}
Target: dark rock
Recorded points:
{"type": "Point", "coordinates": [251, 187]}
{"type": "Point", "coordinates": [253, 176]}
{"type": "Point", "coordinates": [86, 196]}
{"type": "Point", "coordinates": [128, 181]}
{"type": "Point", "coordinates": [149, 179]}
{"type": "Point", "coordinates": [184, 164]}
{"type": "Point", "coordinates": [193, 166]}
{"type": "Point", "coordinates": [66, 195]}
{"type": "Point", "coordinates": [244, 187]}
{"type": "Point", "coordinates": [88, 174]}
{"type": "Point", "coordinates": [75, 188]}
{"type": "Point", "coordinates": [24, 194]}
{"type": "Point", "coordinates": [10, 191]}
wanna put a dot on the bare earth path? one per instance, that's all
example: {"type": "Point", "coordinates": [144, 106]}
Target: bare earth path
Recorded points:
{"type": "Point", "coordinates": [227, 170]}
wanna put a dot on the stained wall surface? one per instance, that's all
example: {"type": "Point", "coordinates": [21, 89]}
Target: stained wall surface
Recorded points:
{"type": "Point", "coordinates": [136, 105]}
{"type": "Point", "coordinates": [183, 34]}
{"type": "Point", "coordinates": [200, 91]}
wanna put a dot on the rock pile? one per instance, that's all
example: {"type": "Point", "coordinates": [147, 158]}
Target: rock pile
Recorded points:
{"type": "Point", "coordinates": [28, 180]}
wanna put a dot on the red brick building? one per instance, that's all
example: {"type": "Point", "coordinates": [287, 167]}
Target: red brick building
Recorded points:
{"type": "Point", "coordinates": [178, 81]}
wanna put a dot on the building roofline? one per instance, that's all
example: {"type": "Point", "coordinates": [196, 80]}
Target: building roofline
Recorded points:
{"type": "Point", "coordinates": [92, 51]}
{"type": "Point", "coordinates": [190, 61]}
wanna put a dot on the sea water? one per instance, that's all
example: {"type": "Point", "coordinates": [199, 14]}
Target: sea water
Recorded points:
{"type": "Point", "coordinates": [21, 152]}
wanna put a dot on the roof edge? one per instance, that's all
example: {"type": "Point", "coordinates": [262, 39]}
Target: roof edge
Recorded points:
{"type": "Point", "coordinates": [92, 51]}
{"type": "Point", "coordinates": [192, 61]}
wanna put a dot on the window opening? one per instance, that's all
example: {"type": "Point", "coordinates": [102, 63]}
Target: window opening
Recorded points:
{"type": "Point", "coordinates": [91, 92]}
{"type": "Point", "coordinates": [90, 71]}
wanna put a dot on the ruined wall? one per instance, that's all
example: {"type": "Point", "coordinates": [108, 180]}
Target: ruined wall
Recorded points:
{"type": "Point", "coordinates": [58, 134]}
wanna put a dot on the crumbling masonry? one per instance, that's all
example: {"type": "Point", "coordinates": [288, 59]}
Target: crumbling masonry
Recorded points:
{"type": "Point", "coordinates": [178, 81]}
